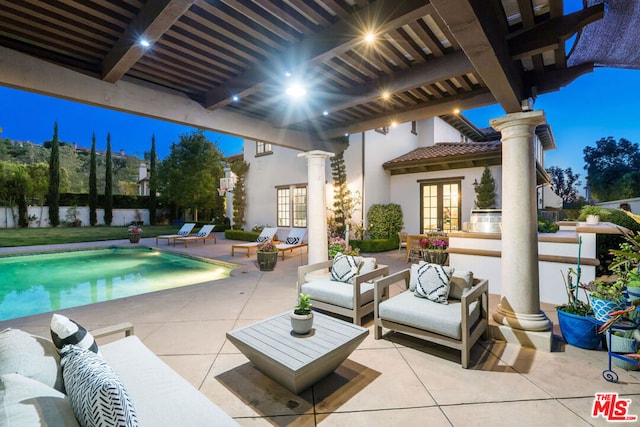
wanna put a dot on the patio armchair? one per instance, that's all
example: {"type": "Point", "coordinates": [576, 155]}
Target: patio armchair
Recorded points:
{"type": "Point", "coordinates": [184, 231]}
{"type": "Point", "coordinates": [265, 235]}
{"type": "Point", "coordinates": [295, 239]}
{"type": "Point", "coordinates": [457, 321]}
{"type": "Point", "coordinates": [204, 234]}
{"type": "Point", "coordinates": [349, 297]}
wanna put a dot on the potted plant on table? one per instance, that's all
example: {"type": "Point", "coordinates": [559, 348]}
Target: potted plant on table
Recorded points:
{"type": "Point", "coordinates": [434, 249]}
{"type": "Point", "coordinates": [267, 256]}
{"type": "Point", "coordinates": [302, 316]}
{"type": "Point", "coordinates": [135, 233]}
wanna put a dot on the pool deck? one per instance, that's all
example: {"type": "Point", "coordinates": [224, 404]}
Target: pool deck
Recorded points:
{"type": "Point", "coordinates": [393, 381]}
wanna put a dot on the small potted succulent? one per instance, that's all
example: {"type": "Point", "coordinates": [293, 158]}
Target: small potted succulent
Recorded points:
{"type": "Point", "coordinates": [267, 256]}
{"type": "Point", "coordinates": [135, 233]}
{"type": "Point", "coordinates": [302, 316]}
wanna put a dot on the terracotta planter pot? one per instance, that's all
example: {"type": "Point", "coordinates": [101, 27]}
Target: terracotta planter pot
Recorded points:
{"type": "Point", "coordinates": [135, 237]}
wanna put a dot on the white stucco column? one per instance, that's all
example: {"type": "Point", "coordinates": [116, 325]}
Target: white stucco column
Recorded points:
{"type": "Point", "coordinates": [519, 306]}
{"type": "Point", "coordinates": [317, 205]}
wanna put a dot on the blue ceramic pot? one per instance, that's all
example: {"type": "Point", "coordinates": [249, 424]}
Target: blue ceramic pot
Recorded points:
{"type": "Point", "coordinates": [579, 331]}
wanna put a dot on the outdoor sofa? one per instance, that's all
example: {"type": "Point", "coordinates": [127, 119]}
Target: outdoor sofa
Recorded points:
{"type": "Point", "coordinates": [455, 319]}
{"type": "Point", "coordinates": [32, 392]}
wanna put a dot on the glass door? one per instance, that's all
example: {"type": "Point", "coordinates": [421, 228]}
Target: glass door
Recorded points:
{"type": "Point", "coordinates": [440, 207]}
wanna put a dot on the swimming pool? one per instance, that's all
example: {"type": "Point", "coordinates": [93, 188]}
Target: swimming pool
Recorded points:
{"type": "Point", "coordinates": [38, 283]}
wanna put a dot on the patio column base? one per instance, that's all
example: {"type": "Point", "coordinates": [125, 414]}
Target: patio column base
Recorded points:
{"type": "Point", "coordinates": [539, 340]}
{"type": "Point", "coordinates": [524, 321]}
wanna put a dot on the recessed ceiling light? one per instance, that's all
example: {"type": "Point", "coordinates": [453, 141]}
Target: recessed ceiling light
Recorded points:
{"type": "Point", "coordinates": [370, 37]}
{"type": "Point", "coordinates": [394, 124]}
{"type": "Point", "coordinates": [287, 74]}
{"type": "Point", "coordinates": [144, 42]}
{"type": "Point", "coordinates": [386, 95]}
{"type": "Point", "coordinates": [456, 111]}
{"type": "Point", "coordinates": [346, 134]}
{"type": "Point", "coordinates": [235, 98]}
{"type": "Point", "coordinates": [296, 91]}
{"type": "Point", "coordinates": [325, 113]}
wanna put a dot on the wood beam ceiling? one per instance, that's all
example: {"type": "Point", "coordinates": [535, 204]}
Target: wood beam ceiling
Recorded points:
{"type": "Point", "coordinates": [154, 19]}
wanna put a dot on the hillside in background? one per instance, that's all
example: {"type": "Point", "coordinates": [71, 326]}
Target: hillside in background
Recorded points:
{"type": "Point", "coordinates": [75, 161]}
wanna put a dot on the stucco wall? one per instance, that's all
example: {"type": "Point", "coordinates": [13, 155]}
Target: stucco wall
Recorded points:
{"type": "Point", "coordinates": [121, 217]}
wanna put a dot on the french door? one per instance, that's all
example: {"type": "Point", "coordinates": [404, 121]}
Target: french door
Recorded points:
{"type": "Point", "coordinates": [440, 205]}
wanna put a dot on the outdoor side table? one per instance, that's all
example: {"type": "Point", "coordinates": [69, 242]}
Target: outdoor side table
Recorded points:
{"type": "Point", "coordinates": [298, 361]}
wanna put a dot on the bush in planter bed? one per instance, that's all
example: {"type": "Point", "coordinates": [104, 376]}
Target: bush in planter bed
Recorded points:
{"type": "Point", "coordinates": [375, 245]}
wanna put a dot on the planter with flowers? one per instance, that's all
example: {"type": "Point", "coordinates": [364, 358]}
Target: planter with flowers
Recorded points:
{"type": "Point", "coordinates": [267, 256]}
{"type": "Point", "coordinates": [338, 244]}
{"type": "Point", "coordinates": [434, 249]}
{"type": "Point", "coordinates": [135, 233]}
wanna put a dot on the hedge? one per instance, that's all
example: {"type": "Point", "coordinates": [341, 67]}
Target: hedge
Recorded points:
{"type": "Point", "coordinates": [249, 236]}
{"type": "Point", "coordinates": [375, 245]}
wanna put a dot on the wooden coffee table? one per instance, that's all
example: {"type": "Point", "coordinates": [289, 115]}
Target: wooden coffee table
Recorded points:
{"type": "Point", "coordinates": [298, 361]}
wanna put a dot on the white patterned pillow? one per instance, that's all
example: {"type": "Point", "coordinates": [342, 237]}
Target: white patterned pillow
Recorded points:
{"type": "Point", "coordinates": [292, 240]}
{"type": "Point", "coordinates": [433, 282]}
{"type": "Point", "coordinates": [97, 395]}
{"type": "Point", "coordinates": [261, 239]}
{"type": "Point", "coordinates": [413, 278]}
{"type": "Point", "coordinates": [65, 331]}
{"type": "Point", "coordinates": [344, 268]}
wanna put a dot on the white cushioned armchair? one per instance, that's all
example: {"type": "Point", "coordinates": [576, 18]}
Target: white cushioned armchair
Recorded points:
{"type": "Point", "coordinates": [458, 324]}
{"type": "Point", "coordinates": [354, 299]}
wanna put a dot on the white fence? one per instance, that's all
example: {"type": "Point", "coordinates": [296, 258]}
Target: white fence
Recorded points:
{"type": "Point", "coordinates": [121, 217]}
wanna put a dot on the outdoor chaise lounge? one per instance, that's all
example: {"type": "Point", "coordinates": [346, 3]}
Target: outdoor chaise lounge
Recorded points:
{"type": "Point", "coordinates": [203, 234]}
{"type": "Point", "coordinates": [265, 235]}
{"type": "Point", "coordinates": [33, 394]}
{"type": "Point", "coordinates": [347, 290]}
{"type": "Point", "coordinates": [184, 231]}
{"type": "Point", "coordinates": [295, 239]}
{"type": "Point", "coordinates": [457, 320]}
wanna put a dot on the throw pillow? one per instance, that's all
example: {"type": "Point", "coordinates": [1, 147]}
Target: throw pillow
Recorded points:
{"type": "Point", "coordinates": [461, 282]}
{"type": "Point", "coordinates": [433, 282]}
{"type": "Point", "coordinates": [292, 240]}
{"type": "Point", "coordinates": [413, 275]}
{"type": "Point", "coordinates": [65, 331]}
{"type": "Point", "coordinates": [30, 355]}
{"type": "Point", "coordinates": [27, 402]}
{"type": "Point", "coordinates": [367, 265]}
{"type": "Point", "coordinates": [344, 268]}
{"type": "Point", "coordinates": [97, 395]}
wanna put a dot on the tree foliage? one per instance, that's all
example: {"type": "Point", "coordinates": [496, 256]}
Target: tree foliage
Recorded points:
{"type": "Point", "coordinates": [108, 184]}
{"type": "Point", "coordinates": [344, 202]}
{"type": "Point", "coordinates": [608, 164]}
{"type": "Point", "coordinates": [153, 180]}
{"type": "Point", "coordinates": [54, 179]}
{"type": "Point", "coordinates": [385, 221]}
{"type": "Point", "coordinates": [485, 190]}
{"type": "Point", "coordinates": [189, 175]}
{"type": "Point", "coordinates": [240, 169]}
{"type": "Point", "coordinates": [93, 184]}
{"type": "Point", "coordinates": [564, 183]}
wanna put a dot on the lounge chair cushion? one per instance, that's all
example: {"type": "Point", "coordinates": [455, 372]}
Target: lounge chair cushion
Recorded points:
{"type": "Point", "coordinates": [433, 282]}
{"type": "Point", "coordinates": [65, 331]}
{"type": "Point", "coordinates": [421, 313]}
{"type": "Point", "coordinates": [337, 293]}
{"type": "Point", "coordinates": [461, 282]}
{"type": "Point", "coordinates": [344, 268]}
{"type": "Point", "coordinates": [97, 395]}
{"type": "Point", "coordinates": [28, 402]}
{"type": "Point", "coordinates": [31, 356]}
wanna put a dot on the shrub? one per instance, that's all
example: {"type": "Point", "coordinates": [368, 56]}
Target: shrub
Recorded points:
{"type": "Point", "coordinates": [546, 226]}
{"type": "Point", "coordinates": [375, 245]}
{"type": "Point", "coordinates": [248, 236]}
{"type": "Point", "coordinates": [385, 221]}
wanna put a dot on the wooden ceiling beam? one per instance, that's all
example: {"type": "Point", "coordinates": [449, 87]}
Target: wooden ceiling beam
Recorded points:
{"type": "Point", "coordinates": [154, 19]}
{"type": "Point", "coordinates": [419, 75]}
{"type": "Point", "coordinates": [463, 101]}
{"type": "Point", "coordinates": [482, 36]}
{"type": "Point", "coordinates": [549, 34]}
{"type": "Point", "coordinates": [327, 43]}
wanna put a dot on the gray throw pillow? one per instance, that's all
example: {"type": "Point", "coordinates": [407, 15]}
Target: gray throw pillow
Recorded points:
{"type": "Point", "coordinates": [433, 282]}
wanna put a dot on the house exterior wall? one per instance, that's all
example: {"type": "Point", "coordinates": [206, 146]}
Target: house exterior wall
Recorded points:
{"type": "Point", "coordinates": [443, 132]}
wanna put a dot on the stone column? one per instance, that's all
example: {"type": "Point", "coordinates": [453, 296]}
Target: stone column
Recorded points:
{"type": "Point", "coordinates": [519, 306]}
{"type": "Point", "coordinates": [317, 205]}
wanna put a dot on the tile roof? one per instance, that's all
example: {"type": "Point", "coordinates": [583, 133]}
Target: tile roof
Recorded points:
{"type": "Point", "coordinates": [446, 150]}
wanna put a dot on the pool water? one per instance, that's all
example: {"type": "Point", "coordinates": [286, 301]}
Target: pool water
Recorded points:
{"type": "Point", "coordinates": [33, 284]}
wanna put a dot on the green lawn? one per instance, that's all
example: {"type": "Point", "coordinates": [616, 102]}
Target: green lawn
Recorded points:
{"type": "Point", "coordinates": [51, 236]}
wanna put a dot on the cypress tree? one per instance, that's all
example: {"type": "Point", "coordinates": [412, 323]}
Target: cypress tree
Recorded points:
{"type": "Point", "coordinates": [153, 183]}
{"type": "Point", "coordinates": [93, 185]}
{"type": "Point", "coordinates": [54, 179]}
{"type": "Point", "coordinates": [240, 169]}
{"type": "Point", "coordinates": [343, 200]}
{"type": "Point", "coordinates": [108, 185]}
{"type": "Point", "coordinates": [485, 191]}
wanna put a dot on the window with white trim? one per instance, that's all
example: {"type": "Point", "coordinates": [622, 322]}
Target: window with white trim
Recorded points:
{"type": "Point", "coordinates": [291, 206]}
{"type": "Point", "coordinates": [263, 148]}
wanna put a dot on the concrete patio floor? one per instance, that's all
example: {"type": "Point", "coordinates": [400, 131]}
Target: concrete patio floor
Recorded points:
{"type": "Point", "coordinates": [393, 381]}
